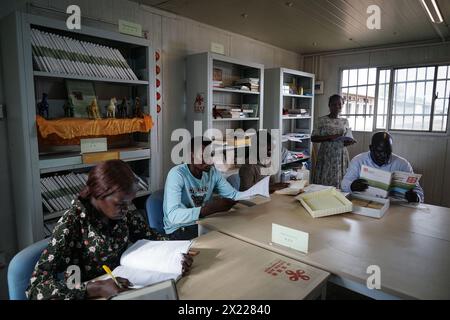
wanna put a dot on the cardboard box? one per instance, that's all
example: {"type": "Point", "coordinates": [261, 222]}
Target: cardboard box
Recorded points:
{"type": "Point", "coordinates": [96, 157]}
{"type": "Point", "coordinates": [369, 206]}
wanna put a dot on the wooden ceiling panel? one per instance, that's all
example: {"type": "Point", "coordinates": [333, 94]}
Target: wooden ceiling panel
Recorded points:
{"type": "Point", "coordinates": [306, 26]}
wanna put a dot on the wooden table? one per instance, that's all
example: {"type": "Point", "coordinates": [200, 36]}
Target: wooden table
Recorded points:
{"type": "Point", "coordinates": [411, 246]}
{"type": "Point", "coordinates": [228, 268]}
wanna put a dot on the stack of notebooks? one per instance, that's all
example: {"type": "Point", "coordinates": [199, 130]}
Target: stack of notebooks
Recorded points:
{"type": "Point", "coordinates": [58, 191]}
{"type": "Point", "coordinates": [251, 83]}
{"type": "Point", "coordinates": [54, 53]}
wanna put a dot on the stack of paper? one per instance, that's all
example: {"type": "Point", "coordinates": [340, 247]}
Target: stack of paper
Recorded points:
{"type": "Point", "coordinates": [259, 189]}
{"type": "Point", "coordinates": [294, 188]}
{"type": "Point", "coordinates": [147, 262]}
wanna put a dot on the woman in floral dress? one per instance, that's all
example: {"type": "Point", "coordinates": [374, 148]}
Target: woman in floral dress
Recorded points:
{"type": "Point", "coordinates": [94, 232]}
{"type": "Point", "coordinates": [332, 160]}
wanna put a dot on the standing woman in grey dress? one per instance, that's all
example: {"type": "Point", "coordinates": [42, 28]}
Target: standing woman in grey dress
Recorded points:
{"type": "Point", "coordinates": [332, 160]}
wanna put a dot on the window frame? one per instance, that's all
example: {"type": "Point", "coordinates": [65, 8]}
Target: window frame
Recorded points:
{"type": "Point", "coordinates": [392, 69]}
{"type": "Point", "coordinates": [341, 70]}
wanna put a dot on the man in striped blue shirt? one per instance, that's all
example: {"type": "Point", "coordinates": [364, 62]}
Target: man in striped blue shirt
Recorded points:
{"type": "Point", "coordinates": [380, 157]}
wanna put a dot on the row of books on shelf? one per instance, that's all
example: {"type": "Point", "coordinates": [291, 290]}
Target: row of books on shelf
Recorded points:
{"type": "Point", "coordinates": [235, 111]}
{"type": "Point", "coordinates": [59, 191]}
{"type": "Point", "coordinates": [296, 112]}
{"type": "Point", "coordinates": [246, 84]}
{"type": "Point", "coordinates": [64, 55]}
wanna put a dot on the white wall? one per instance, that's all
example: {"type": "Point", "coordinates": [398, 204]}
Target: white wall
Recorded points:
{"type": "Point", "coordinates": [428, 154]}
{"type": "Point", "coordinates": [175, 37]}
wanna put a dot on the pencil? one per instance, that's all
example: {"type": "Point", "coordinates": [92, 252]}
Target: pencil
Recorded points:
{"type": "Point", "coordinates": [108, 271]}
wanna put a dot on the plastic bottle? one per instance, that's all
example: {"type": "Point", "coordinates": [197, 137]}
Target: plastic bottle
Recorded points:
{"type": "Point", "coordinates": [303, 173]}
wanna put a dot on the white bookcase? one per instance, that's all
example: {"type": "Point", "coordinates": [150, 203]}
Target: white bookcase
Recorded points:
{"type": "Point", "coordinates": [288, 91]}
{"type": "Point", "coordinates": [25, 85]}
{"type": "Point", "coordinates": [202, 73]}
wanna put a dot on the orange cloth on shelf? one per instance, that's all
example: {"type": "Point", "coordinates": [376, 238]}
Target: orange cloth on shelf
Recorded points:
{"type": "Point", "coordinates": [73, 128]}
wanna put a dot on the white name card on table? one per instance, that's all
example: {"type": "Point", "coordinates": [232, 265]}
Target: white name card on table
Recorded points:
{"type": "Point", "coordinates": [93, 145]}
{"type": "Point", "coordinates": [291, 238]}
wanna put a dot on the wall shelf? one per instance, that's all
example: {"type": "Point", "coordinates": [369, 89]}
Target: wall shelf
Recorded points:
{"type": "Point", "coordinates": [235, 91]}
{"type": "Point", "coordinates": [274, 117]}
{"type": "Point", "coordinates": [27, 85]}
{"type": "Point", "coordinates": [44, 74]}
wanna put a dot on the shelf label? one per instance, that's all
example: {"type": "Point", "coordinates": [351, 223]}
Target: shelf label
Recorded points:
{"type": "Point", "coordinates": [93, 145]}
{"type": "Point", "coordinates": [130, 28]}
{"type": "Point", "coordinates": [291, 238]}
{"type": "Point", "coordinates": [217, 48]}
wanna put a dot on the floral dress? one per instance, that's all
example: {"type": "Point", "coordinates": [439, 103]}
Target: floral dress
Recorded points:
{"type": "Point", "coordinates": [332, 160]}
{"type": "Point", "coordinates": [83, 239]}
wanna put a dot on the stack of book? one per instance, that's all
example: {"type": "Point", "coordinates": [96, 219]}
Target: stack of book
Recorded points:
{"type": "Point", "coordinates": [251, 83]}
{"type": "Point", "coordinates": [59, 191]}
{"type": "Point", "coordinates": [54, 53]}
{"type": "Point", "coordinates": [218, 84]}
{"type": "Point", "coordinates": [231, 112]}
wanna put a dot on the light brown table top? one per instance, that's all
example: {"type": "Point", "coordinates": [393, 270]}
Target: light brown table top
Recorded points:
{"type": "Point", "coordinates": [228, 268]}
{"type": "Point", "coordinates": [411, 246]}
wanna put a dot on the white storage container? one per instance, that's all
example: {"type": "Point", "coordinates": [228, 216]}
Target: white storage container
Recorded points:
{"type": "Point", "coordinates": [369, 206]}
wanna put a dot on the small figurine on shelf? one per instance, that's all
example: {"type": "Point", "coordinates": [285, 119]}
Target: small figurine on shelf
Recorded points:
{"type": "Point", "coordinates": [43, 106]}
{"type": "Point", "coordinates": [123, 108]}
{"type": "Point", "coordinates": [68, 109]}
{"type": "Point", "coordinates": [111, 108]}
{"type": "Point", "coordinates": [137, 112]}
{"type": "Point", "coordinates": [92, 110]}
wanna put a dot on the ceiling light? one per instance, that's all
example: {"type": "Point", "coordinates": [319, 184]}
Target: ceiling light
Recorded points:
{"type": "Point", "coordinates": [437, 17]}
{"type": "Point", "coordinates": [244, 15]}
{"type": "Point", "coordinates": [290, 4]}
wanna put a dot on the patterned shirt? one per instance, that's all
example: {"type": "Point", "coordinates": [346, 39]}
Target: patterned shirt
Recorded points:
{"type": "Point", "coordinates": [83, 238]}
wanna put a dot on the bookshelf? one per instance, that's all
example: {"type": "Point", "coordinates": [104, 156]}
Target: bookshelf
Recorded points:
{"type": "Point", "coordinates": [232, 91]}
{"type": "Point", "coordinates": [35, 157]}
{"type": "Point", "coordinates": [289, 106]}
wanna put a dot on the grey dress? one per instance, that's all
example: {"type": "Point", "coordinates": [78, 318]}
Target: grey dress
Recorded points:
{"type": "Point", "coordinates": [332, 160]}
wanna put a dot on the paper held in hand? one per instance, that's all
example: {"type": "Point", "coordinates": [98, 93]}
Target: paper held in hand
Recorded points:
{"type": "Point", "coordinates": [259, 189]}
{"type": "Point", "coordinates": [383, 184]}
{"type": "Point", "coordinates": [148, 262]}
{"type": "Point", "coordinates": [347, 137]}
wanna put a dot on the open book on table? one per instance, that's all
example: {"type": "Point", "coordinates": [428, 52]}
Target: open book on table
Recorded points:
{"type": "Point", "coordinates": [148, 262]}
{"type": "Point", "coordinates": [383, 184]}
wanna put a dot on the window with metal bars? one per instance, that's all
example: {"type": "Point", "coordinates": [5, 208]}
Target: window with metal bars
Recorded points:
{"type": "Point", "coordinates": [407, 99]}
{"type": "Point", "coordinates": [358, 92]}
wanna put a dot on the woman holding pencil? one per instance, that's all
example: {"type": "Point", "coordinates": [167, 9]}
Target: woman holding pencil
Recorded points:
{"type": "Point", "coordinates": [93, 233]}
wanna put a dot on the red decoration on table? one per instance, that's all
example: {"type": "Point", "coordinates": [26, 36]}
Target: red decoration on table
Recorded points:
{"type": "Point", "coordinates": [296, 275]}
